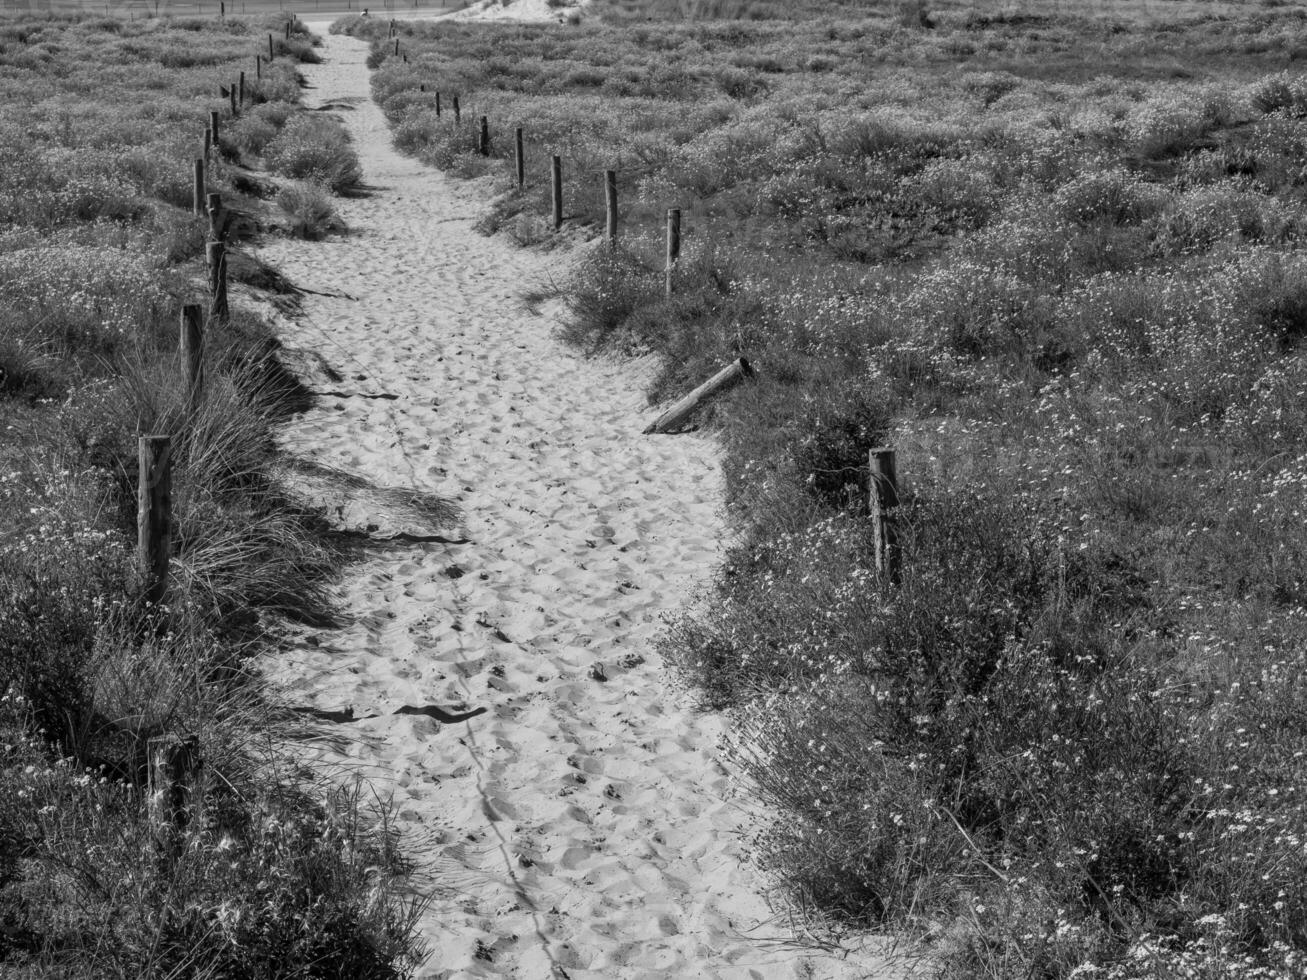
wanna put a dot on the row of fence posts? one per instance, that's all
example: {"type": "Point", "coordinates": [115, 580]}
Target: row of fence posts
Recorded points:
{"type": "Point", "coordinates": [556, 186]}
{"type": "Point", "coordinates": [154, 490]}
{"type": "Point", "coordinates": [883, 488]}
{"type": "Point", "coordinates": [175, 765]}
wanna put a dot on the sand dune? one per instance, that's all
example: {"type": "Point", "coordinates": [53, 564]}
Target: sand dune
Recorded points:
{"type": "Point", "coordinates": [518, 10]}
{"type": "Point", "coordinates": [584, 825]}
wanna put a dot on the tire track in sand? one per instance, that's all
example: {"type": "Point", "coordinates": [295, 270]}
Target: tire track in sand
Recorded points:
{"type": "Point", "coordinates": [580, 827]}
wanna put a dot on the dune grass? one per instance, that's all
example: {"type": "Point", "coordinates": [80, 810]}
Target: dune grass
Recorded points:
{"type": "Point", "coordinates": [280, 872]}
{"type": "Point", "coordinates": [1055, 257]}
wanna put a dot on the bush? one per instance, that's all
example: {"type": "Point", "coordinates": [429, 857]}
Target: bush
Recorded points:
{"type": "Point", "coordinates": [309, 208]}
{"type": "Point", "coordinates": [317, 149]}
{"type": "Point", "coordinates": [1110, 195]}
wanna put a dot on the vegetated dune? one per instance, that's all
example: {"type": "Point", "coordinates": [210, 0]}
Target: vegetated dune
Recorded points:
{"type": "Point", "coordinates": [1054, 257]}
{"type": "Point", "coordinates": [247, 866]}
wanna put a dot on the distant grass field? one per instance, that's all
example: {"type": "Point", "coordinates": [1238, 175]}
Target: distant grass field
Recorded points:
{"type": "Point", "coordinates": [1056, 254]}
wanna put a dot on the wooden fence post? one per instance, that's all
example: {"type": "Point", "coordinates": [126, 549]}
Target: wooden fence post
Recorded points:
{"type": "Point", "coordinates": [231, 95]}
{"type": "Point", "coordinates": [272, 54]}
{"type": "Point", "coordinates": [222, 10]}
{"type": "Point", "coordinates": [216, 254]}
{"type": "Point", "coordinates": [174, 790]}
{"type": "Point", "coordinates": [191, 346]}
{"type": "Point", "coordinates": [483, 138]}
{"type": "Point", "coordinates": [208, 144]}
{"type": "Point", "coordinates": [458, 113]}
{"type": "Point", "coordinates": [556, 188]}
{"type": "Point", "coordinates": [673, 244]}
{"type": "Point", "coordinates": [883, 499]}
{"type": "Point", "coordinates": [723, 380]}
{"type": "Point", "coordinates": [241, 89]}
{"type": "Point", "coordinates": [213, 126]}
{"type": "Point", "coordinates": [288, 23]}
{"type": "Point", "coordinates": [519, 158]}
{"type": "Point", "coordinates": [258, 66]}
{"type": "Point", "coordinates": [437, 105]}
{"type": "Point", "coordinates": [199, 188]}
{"type": "Point", "coordinates": [154, 514]}
{"type": "Point", "coordinates": [610, 204]}
{"type": "Point", "coordinates": [213, 206]}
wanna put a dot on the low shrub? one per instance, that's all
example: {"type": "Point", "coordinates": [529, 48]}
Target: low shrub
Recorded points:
{"type": "Point", "coordinates": [314, 148]}
{"type": "Point", "coordinates": [309, 207]}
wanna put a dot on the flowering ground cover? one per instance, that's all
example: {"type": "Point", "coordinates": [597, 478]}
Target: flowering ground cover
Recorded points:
{"type": "Point", "coordinates": [274, 875]}
{"type": "Point", "coordinates": [1055, 257]}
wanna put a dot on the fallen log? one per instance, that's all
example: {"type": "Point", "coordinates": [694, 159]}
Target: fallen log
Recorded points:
{"type": "Point", "coordinates": [723, 380]}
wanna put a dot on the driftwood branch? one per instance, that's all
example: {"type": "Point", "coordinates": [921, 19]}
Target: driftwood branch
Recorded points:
{"type": "Point", "coordinates": [723, 380]}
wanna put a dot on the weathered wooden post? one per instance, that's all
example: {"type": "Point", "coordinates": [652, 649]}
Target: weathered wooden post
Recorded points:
{"type": "Point", "coordinates": [519, 158]}
{"type": "Point", "coordinates": [556, 189]}
{"type": "Point", "coordinates": [213, 206]}
{"type": "Point", "coordinates": [272, 54]}
{"type": "Point", "coordinates": [241, 89]}
{"type": "Point", "coordinates": [174, 790]}
{"type": "Point", "coordinates": [883, 499]}
{"type": "Point", "coordinates": [483, 138]}
{"type": "Point", "coordinates": [288, 30]}
{"type": "Point", "coordinates": [222, 10]}
{"type": "Point", "coordinates": [231, 95]}
{"type": "Point", "coordinates": [673, 244]}
{"type": "Point", "coordinates": [458, 113]}
{"type": "Point", "coordinates": [207, 145]}
{"type": "Point", "coordinates": [258, 67]}
{"type": "Point", "coordinates": [216, 254]}
{"type": "Point", "coordinates": [723, 380]}
{"type": "Point", "coordinates": [154, 514]}
{"type": "Point", "coordinates": [610, 204]}
{"type": "Point", "coordinates": [199, 189]}
{"type": "Point", "coordinates": [191, 347]}
{"type": "Point", "coordinates": [437, 105]}
{"type": "Point", "coordinates": [213, 126]}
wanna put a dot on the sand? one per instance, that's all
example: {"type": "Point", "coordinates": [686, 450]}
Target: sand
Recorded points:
{"type": "Point", "coordinates": [528, 11]}
{"type": "Point", "coordinates": [518, 10]}
{"type": "Point", "coordinates": [584, 825]}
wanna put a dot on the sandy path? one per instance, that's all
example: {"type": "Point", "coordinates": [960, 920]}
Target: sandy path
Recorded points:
{"type": "Point", "coordinates": [579, 827]}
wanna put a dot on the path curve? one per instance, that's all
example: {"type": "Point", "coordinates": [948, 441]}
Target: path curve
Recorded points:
{"type": "Point", "coordinates": [580, 826]}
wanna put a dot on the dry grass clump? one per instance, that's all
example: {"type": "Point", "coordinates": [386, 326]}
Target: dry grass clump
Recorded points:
{"type": "Point", "coordinates": [317, 149]}
{"type": "Point", "coordinates": [308, 205]}
{"type": "Point", "coordinates": [274, 874]}
{"type": "Point", "coordinates": [1055, 257]}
